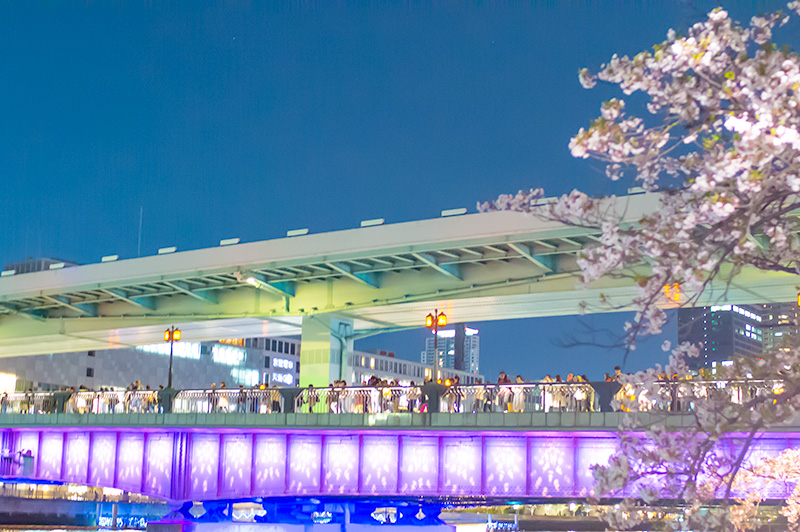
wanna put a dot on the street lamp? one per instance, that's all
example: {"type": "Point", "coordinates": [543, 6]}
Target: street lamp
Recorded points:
{"type": "Point", "coordinates": [434, 321]}
{"type": "Point", "coordinates": [171, 335]}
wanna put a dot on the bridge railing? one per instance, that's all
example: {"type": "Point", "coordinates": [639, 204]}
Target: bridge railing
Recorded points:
{"type": "Point", "coordinates": [671, 396]}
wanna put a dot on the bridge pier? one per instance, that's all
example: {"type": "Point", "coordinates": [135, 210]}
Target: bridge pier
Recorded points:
{"type": "Point", "coordinates": [326, 344]}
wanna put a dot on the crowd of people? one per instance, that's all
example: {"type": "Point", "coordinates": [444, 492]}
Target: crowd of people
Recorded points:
{"type": "Point", "coordinates": [574, 393]}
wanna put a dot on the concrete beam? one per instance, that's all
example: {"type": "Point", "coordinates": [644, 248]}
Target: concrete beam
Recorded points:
{"type": "Point", "coordinates": [545, 262]}
{"type": "Point", "coordinates": [200, 295]}
{"type": "Point", "coordinates": [145, 302]}
{"type": "Point", "coordinates": [369, 279]}
{"type": "Point", "coordinates": [449, 270]}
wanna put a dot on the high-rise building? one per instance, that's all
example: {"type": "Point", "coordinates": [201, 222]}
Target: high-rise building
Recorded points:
{"type": "Point", "coordinates": [459, 349]}
{"type": "Point", "coordinates": [779, 324]}
{"type": "Point", "coordinates": [726, 331]}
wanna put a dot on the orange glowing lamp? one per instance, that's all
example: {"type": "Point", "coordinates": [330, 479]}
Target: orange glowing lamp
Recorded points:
{"type": "Point", "coordinates": [673, 292]}
{"type": "Point", "coordinates": [172, 335]}
{"type": "Point", "coordinates": [429, 321]}
{"type": "Point", "coordinates": [442, 320]}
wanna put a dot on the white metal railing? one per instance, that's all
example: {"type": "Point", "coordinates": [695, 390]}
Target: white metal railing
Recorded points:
{"type": "Point", "coordinates": [672, 396]}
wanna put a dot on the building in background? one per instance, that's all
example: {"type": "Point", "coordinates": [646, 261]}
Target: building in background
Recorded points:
{"type": "Point", "coordinates": [196, 365]}
{"type": "Point", "coordinates": [36, 265]}
{"type": "Point", "coordinates": [726, 332]}
{"type": "Point", "coordinates": [249, 362]}
{"type": "Point", "coordinates": [382, 364]}
{"type": "Point", "coordinates": [459, 349]}
{"type": "Point", "coordinates": [779, 325]}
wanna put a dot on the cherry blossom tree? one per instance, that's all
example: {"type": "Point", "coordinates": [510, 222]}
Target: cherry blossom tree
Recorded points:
{"type": "Point", "coordinates": [718, 143]}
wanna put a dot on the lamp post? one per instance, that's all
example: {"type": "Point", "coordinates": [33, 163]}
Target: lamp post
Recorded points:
{"type": "Point", "coordinates": [171, 335]}
{"type": "Point", "coordinates": [434, 321]}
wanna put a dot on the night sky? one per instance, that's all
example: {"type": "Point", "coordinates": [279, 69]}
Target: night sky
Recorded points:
{"type": "Point", "coordinates": [241, 121]}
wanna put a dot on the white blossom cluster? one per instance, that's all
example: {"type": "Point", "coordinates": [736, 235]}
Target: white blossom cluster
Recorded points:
{"type": "Point", "coordinates": [719, 142]}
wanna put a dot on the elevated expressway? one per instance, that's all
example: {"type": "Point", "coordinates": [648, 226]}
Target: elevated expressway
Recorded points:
{"type": "Point", "coordinates": [475, 267]}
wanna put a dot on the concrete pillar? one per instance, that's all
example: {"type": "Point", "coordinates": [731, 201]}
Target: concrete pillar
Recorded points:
{"type": "Point", "coordinates": [325, 346]}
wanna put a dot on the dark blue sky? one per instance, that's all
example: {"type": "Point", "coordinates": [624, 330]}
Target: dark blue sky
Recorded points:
{"type": "Point", "coordinates": [247, 121]}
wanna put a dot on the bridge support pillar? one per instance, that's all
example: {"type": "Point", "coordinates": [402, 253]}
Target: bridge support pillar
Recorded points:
{"type": "Point", "coordinates": [325, 347]}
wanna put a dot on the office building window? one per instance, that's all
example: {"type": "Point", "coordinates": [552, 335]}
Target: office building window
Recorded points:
{"type": "Point", "coordinates": [274, 345]}
{"type": "Point", "coordinates": [280, 347]}
{"type": "Point", "coordinates": [292, 348]}
{"type": "Point", "coordinates": [91, 353]}
{"type": "Point", "coordinates": [90, 372]}
{"type": "Point", "coordinates": [266, 362]}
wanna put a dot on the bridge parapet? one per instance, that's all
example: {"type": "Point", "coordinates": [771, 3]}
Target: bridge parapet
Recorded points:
{"type": "Point", "coordinates": [543, 397]}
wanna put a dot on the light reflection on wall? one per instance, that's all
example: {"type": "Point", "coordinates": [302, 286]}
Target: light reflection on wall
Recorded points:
{"type": "Point", "coordinates": [419, 465]}
{"type": "Point", "coordinates": [505, 466]}
{"type": "Point", "coordinates": [201, 464]}
{"type": "Point", "coordinates": [341, 465]}
{"type": "Point", "coordinates": [462, 466]}
{"type": "Point", "coordinates": [305, 453]}
{"type": "Point", "coordinates": [551, 466]}
{"type": "Point", "coordinates": [130, 461]}
{"type": "Point", "coordinates": [159, 464]}
{"type": "Point", "coordinates": [379, 465]}
{"type": "Point", "coordinates": [237, 450]}
{"type": "Point", "coordinates": [204, 466]}
{"type": "Point", "coordinates": [77, 457]}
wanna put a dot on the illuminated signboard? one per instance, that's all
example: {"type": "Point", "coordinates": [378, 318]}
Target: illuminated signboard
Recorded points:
{"type": "Point", "coordinates": [283, 363]}
{"type": "Point", "coordinates": [282, 378]}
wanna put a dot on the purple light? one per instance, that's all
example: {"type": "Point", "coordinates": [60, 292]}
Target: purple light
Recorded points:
{"type": "Point", "coordinates": [77, 457]}
{"type": "Point", "coordinates": [379, 464]}
{"type": "Point", "coordinates": [204, 466]}
{"type": "Point", "coordinates": [305, 453]}
{"type": "Point", "coordinates": [186, 464]}
{"type": "Point", "coordinates": [130, 460]}
{"type": "Point", "coordinates": [341, 465]}
{"type": "Point", "coordinates": [237, 452]}
{"type": "Point", "coordinates": [270, 464]}
{"type": "Point", "coordinates": [505, 466]}
{"type": "Point", "coordinates": [462, 465]}
{"type": "Point", "coordinates": [591, 451]}
{"type": "Point", "coordinates": [51, 454]}
{"type": "Point", "coordinates": [419, 465]}
{"type": "Point", "coordinates": [159, 465]}
{"type": "Point", "coordinates": [551, 467]}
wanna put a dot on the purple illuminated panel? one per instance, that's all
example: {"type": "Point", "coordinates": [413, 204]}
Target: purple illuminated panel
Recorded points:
{"type": "Point", "coordinates": [419, 465]}
{"type": "Point", "coordinates": [305, 453]}
{"type": "Point", "coordinates": [159, 465]}
{"type": "Point", "coordinates": [341, 465]}
{"type": "Point", "coordinates": [462, 466]}
{"type": "Point", "coordinates": [270, 464]}
{"type": "Point", "coordinates": [237, 453]}
{"type": "Point", "coordinates": [50, 455]}
{"type": "Point", "coordinates": [379, 464]}
{"type": "Point", "coordinates": [28, 442]}
{"type": "Point", "coordinates": [506, 466]}
{"type": "Point", "coordinates": [204, 466]}
{"type": "Point", "coordinates": [590, 451]}
{"type": "Point", "coordinates": [130, 461]}
{"type": "Point", "coordinates": [552, 468]}
{"type": "Point", "coordinates": [76, 464]}
{"type": "Point", "coordinates": [187, 465]}
{"type": "Point", "coordinates": [102, 459]}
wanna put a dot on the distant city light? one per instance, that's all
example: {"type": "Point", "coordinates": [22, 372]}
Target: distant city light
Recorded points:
{"type": "Point", "coordinates": [181, 350]}
{"type": "Point", "coordinates": [230, 356]}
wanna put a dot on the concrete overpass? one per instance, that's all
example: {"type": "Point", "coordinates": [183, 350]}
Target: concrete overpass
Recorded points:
{"type": "Point", "coordinates": [331, 287]}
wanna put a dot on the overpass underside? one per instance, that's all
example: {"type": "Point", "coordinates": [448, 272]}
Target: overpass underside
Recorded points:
{"type": "Point", "coordinates": [478, 267]}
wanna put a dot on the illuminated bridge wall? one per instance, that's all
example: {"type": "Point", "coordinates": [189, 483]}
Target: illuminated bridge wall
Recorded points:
{"type": "Point", "coordinates": [204, 465]}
